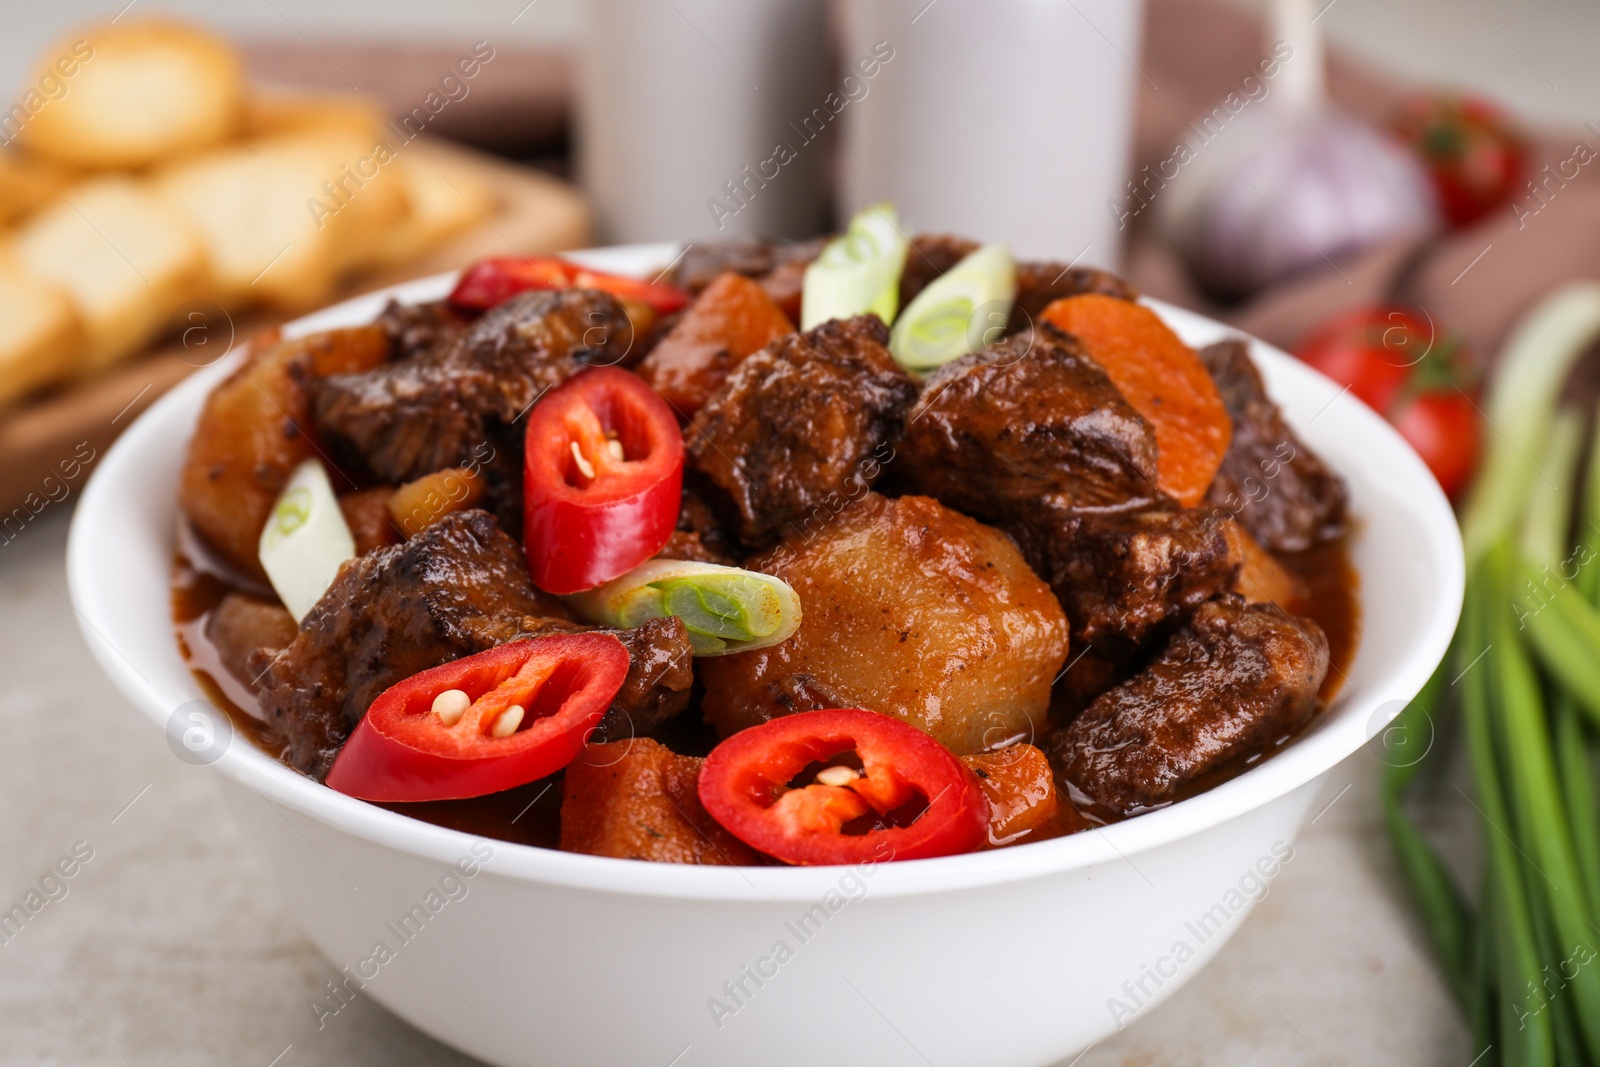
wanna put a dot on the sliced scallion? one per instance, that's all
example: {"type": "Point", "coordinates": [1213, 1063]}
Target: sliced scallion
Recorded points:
{"type": "Point", "coordinates": [858, 272]}
{"type": "Point", "coordinates": [961, 311]}
{"type": "Point", "coordinates": [305, 539]}
{"type": "Point", "coordinates": [725, 609]}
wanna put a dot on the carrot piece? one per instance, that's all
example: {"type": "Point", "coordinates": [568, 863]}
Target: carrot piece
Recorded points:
{"type": "Point", "coordinates": [1021, 790]}
{"type": "Point", "coordinates": [417, 505]}
{"type": "Point", "coordinates": [733, 318]}
{"type": "Point", "coordinates": [1163, 379]}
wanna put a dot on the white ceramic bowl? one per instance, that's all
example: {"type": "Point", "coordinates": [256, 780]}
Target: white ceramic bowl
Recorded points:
{"type": "Point", "coordinates": [1019, 957]}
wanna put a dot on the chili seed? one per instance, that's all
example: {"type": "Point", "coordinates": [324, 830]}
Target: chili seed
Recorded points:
{"type": "Point", "coordinates": [507, 723]}
{"type": "Point", "coordinates": [837, 775]}
{"type": "Point", "coordinates": [583, 463]}
{"type": "Point", "coordinates": [450, 705]}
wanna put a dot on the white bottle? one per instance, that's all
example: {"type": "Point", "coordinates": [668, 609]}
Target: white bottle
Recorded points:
{"type": "Point", "coordinates": [998, 120]}
{"type": "Point", "coordinates": [683, 106]}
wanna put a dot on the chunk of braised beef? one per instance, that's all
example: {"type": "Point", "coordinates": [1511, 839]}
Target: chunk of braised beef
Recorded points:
{"type": "Point", "coordinates": [1033, 419]}
{"type": "Point", "coordinates": [1275, 486]}
{"type": "Point", "coordinates": [1125, 576]}
{"type": "Point", "coordinates": [702, 261]}
{"type": "Point", "coordinates": [660, 675]}
{"type": "Point", "coordinates": [240, 625]}
{"type": "Point", "coordinates": [458, 587]}
{"type": "Point", "coordinates": [699, 536]}
{"type": "Point", "coordinates": [417, 328]}
{"type": "Point", "coordinates": [444, 407]}
{"type": "Point", "coordinates": [1232, 684]}
{"type": "Point", "coordinates": [1041, 284]}
{"type": "Point", "coordinates": [801, 427]}
{"type": "Point", "coordinates": [930, 255]}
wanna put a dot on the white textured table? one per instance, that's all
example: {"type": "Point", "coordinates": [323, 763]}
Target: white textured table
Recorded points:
{"type": "Point", "coordinates": [171, 946]}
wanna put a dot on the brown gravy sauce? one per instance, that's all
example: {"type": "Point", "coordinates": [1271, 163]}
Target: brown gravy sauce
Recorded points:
{"type": "Point", "coordinates": [531, 814]}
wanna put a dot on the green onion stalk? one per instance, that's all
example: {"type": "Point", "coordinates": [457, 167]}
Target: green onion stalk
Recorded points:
{"type": "Point", "coordinates": [1522, 675]}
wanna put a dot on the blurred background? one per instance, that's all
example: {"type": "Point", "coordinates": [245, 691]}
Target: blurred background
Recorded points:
{"type": "Point", "coordinates": [177, 176]}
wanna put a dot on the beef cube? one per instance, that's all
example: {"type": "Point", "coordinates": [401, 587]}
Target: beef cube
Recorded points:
{"type": "Point", "coordinates": [785, 282]}
{"type": "Point", "coordinates": [1041, 284]}
{"type": "Point", "coordinates": [456, 588]}
{"type": "Point", "coordinates": [417, 328]}
{"type": "Point", "coordinates": [802, 423]}
{"type": "Point", "coordinates": [930, 256]}
{"type": "Point", "coordinates": [1232, 684]}
{"type": "Point", "coordinates": [698, 536]}
{"type": "Point", "coordinates": [452, 406]}
{"type": "Point", "coordinates": [660, 675]}
{"type": "Point", "coordinates": [1124, 575]}
{"type": "Point", "coordinates": [1034, 418]}
{"type": "Point", "coordinates": [240, 625]}
{"type": "Point", "coordinates": [1279, 491]}
{"type": "Point", "coordinates": [639, 800]}
{"type": "Point", "coordinates": [702, 261]}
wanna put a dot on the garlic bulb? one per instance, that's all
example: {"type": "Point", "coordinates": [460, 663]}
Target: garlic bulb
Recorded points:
{"type": "Point", "coordinates": [1289, 181]}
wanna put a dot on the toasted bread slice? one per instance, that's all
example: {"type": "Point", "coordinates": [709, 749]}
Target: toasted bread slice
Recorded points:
{"type": "Point", "coordinates": [126, 258]}
{"type": "Point", "coordinates": [367, 194]}
{"type": "Point", "coordinates": [140, 92]}
{"type": "Point", "coordinates": [26, 184]}
{"type": "Point", "coordinates": [274, 112]}
{"type": "Point", "coordinates": [444, 199]}
{"type": "Point", "coordinates": [274, 221]}
{"type": "Point", "coordinates": [41, 339]}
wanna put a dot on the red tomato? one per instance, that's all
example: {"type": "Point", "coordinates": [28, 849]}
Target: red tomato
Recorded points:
{"type": "Point", "coordinates": [1396, 363]}
{"type": "Point", "coordinates": [489, 281]}
{"type": "Point", "coordinates": [1475, 157]}
{"type": "Point", "coordinates": [910, 799]}
{"type": "Point", "coordinates": [405, 750]}
{"type": "Point", "coordinates": [602, 480]}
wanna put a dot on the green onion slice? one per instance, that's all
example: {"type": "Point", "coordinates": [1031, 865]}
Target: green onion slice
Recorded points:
{"type": "Point", "coordinates": [305, 539]}
{"type": "Point", "coordinates": [961, 311]}
{"type": "Point", "coordinates": [858, 271]}
{"type": "Point", "coordinates": [726, 609]}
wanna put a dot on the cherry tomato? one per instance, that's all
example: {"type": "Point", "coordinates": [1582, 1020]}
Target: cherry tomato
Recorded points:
{"type": "Point", "coordinates": [499, 719]}
{"type": "Point", "coordinates": [886, 790]}
{"type": "Point", "coordinates": [490, 281]}
{"type": "Point", "coordinates": [602, 480]}
{"type": "Point", "coordinates": [1474, 155]}
{"type": "Point", "coordinates": [1394, 360]}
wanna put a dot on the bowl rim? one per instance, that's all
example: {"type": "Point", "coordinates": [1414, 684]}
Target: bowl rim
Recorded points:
{"type": "Point", "coordinates": [1341, 731]}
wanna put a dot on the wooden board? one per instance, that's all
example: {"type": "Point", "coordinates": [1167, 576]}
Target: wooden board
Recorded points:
{"type": "Point", "coordinates": [45, 440]}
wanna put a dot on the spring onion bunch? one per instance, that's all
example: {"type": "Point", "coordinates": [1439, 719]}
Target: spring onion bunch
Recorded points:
{"type": "Point", "coordinates": [1524, 961]}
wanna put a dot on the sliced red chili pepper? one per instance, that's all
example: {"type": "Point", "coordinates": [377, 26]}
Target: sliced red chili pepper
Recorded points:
{"type": "Point", "coordinates": [456, 731]}
{"type": "Point", "coordinates": [489, 281]}
{"type": "Point", "coordinates": [911, 798]}
{"type": "Point", "coordinates": [602, 480]}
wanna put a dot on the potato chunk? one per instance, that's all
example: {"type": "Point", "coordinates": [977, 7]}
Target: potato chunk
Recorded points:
{"type": "Point", "coordinates": [252, 434]}
{"type": "Point", "coordinates": [638, 800]}
{"type": "Point", "coordinates": [909, 609]}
